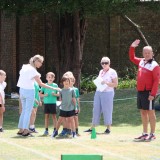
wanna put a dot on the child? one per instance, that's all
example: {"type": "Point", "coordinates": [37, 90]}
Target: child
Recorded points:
{"type": "Point", "coordinates": [64, 131]}
{"type": "Point", "coordinates": [67, 109]}
{"type": "Point", "coordinates": [2, 97]}
{"type": "Point", "coordinates": [77, 104]}
{"type": "Point", "coordinates": [49, 100]}
{"type": "Point", "coordinates": [72, 82]}
{"type": "Point", "coordinates": [35, 107]}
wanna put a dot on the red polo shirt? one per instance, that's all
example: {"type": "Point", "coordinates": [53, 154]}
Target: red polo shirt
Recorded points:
{"type": "Point", "coordinates": [148, 73]}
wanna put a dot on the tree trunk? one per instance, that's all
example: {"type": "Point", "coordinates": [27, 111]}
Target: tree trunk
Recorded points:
{"type": "Point", "coordinates": [72, 36]}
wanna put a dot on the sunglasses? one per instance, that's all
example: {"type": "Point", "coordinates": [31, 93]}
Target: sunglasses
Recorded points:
{"type": "Point", "coordinates": [102, 63]}
{"type": "Point", "coordinates": [40, 61]}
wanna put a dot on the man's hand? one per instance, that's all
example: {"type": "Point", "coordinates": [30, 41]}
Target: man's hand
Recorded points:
{"type": "Point", "coordinates": [150, 98]}
{"type": "Point", "coordinates": [135, 43]}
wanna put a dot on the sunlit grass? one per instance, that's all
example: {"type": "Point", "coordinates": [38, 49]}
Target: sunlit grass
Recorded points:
{"type": "Point", "coordinates": [118, 145]}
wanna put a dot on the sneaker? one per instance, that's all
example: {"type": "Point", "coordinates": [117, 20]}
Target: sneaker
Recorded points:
{"type": "Point", "coordinates": [77, 134]}
{"type": "Point", "coordinates": [63, 133]}
{"type": "Point", "coordinates": [74, 134]}
{"type": "Point", "coordinates": [143, 137]}
{"type": "Point", "coordinates": [55, 133]}
{"type": "Point", "coordinates": [151, 137]}
{"type": "Point", "coordinates": [1, 130]}
{"type": "Point", "coordinates": [33, 130]}
{"type": "Point", "coordinates": [88, 130]}
{"type": "Point", "coordinates": [46, 133]}
{"type": "Point", "coordinates": [27, 135]}
{"type": "Point", "coordinates": [69, 135]}
{"type": "Point", "coordinates": [107, 131]}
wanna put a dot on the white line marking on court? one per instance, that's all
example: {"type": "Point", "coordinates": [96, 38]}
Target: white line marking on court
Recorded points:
{"type": "Point", "coordinates": [29, 149]}
{"type": "Point", "coordinates": [99, 150]}
{"type": "Point", "coordinates": [121, 99]}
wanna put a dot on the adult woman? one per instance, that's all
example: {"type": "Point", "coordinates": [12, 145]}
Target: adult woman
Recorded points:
{"type": "Point", "coordinates": [28, 75]}
{"type": "Point", "coordinates": [103, 99]}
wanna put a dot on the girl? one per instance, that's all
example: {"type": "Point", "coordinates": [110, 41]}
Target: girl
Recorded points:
{"type": "Point", "coordinates": [2, 97]}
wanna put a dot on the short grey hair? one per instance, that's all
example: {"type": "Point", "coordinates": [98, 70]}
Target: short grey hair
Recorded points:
{"type": "Point", "coordinates": [105, 59]}
{"type": "Point", "coordinates": [148, 48]}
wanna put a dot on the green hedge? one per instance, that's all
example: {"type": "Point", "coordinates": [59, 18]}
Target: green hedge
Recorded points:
{"type": "Point", "coordinates": [87, 84]}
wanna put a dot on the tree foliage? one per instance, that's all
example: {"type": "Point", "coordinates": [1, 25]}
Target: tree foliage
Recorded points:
{"type": "Point", "coordinates": [89, 7]}
{"type": "Point", "coordinates": [71, 23]}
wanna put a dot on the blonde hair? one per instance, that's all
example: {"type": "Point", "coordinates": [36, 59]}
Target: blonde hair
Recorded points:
{"type": "Point", "coordinates": [2, 73]}
{"type": "Point", "coordinates": [50, 73]}
{"type": "Point", "coordinates": [68, 74]}
{"type": "Point", "coordinates": [35, 58]}
{"type": "Point", "coordinates": [73, 79]}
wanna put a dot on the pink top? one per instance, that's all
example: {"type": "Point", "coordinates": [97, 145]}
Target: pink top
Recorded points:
{"type": "Point", "coordinates": [108, 76]}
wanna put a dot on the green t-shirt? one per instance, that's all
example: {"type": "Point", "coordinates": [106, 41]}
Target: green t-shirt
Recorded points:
{"type": "Point", "coordinates": [37, 97]}
{"type": "Point", "coordinates": [66, 96]}
{"type": "Point", "coordinates": [50, 99]}
{"type": "Point", "coordinates": [76, 90]}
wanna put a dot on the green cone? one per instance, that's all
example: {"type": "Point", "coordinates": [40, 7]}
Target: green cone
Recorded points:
{"type": "Point", "coordinates": [93, 133]}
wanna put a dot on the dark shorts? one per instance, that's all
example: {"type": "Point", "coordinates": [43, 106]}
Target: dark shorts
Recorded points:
{"type": "Point", "coordinates": [50, 108]}
{"type": "Point", "coordinates": [76, 114]}
{"type": "Point", "coordinates": [67, 113]}
{"type": "Point", "coordinates": [143, 102]}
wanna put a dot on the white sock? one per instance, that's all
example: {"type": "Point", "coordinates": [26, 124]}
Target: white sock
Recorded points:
{"type": "Point", "coordinates": [144, 133]}
{"type": "Point", "coordinates": [32, 126]}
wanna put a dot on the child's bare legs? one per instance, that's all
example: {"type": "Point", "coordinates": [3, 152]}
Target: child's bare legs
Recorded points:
{"type": "Point", "coordinates": [33, 116]}
{"type": "Point", "coordinates": [55, 132]}
{"type": "Point", "coordinates": [54, 118]}
{"type": "Point", "coordinates": [32, 120]}
{"type": "Point", "coordinates": [64, 130]}
{"type": "Point", "coordinates": [76, 121]}
{"type": "Point", "coordinates": [46, 121]}
{"type": "Point", "coordinates": [60, 120]}
{"type": "Point", "coordinates": [71, 124]}
{"type": "Point", "coordinates": [1, 117]}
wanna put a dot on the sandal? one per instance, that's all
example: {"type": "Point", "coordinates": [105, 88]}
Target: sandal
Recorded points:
{"type": "Point", "coordinates": [19, 133]}
{"type": "Point", "coordinates": [27, 134]}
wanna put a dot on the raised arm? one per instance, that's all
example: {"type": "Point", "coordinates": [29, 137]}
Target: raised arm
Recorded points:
{"type": "Point", "coordinates": [132, 56]}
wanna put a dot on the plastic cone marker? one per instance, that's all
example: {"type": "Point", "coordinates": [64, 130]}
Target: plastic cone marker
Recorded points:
{"type": "Point", "coordinates": [93, 133]}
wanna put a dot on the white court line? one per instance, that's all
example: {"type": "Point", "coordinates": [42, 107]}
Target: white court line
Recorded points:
{"type": "Point", "coordinates": [99, 150]}
{"type": "Point", "coordinates": [40, 154]}
{"type": "Point", "coordinates": [121, 99]}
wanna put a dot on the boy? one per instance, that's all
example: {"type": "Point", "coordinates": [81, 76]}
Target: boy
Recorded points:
{"type": "Point", "coordinates": [2, 97]}
{"type": "Point", "coordinates": [35, 108]}
{"type": "Point", "coordinates": [67, 109]}
{"type": "Point", "coordinates": [49, 100]}
{"type": "Point", "coordinates": [77, 104]}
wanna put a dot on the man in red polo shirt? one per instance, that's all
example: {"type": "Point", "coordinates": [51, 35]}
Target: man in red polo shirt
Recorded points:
{"type": "Point", "coordinates": [147, 87]}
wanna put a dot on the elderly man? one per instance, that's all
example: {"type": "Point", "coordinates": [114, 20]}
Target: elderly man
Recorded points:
{"type": "Point", "coordinates": [147, 87]}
